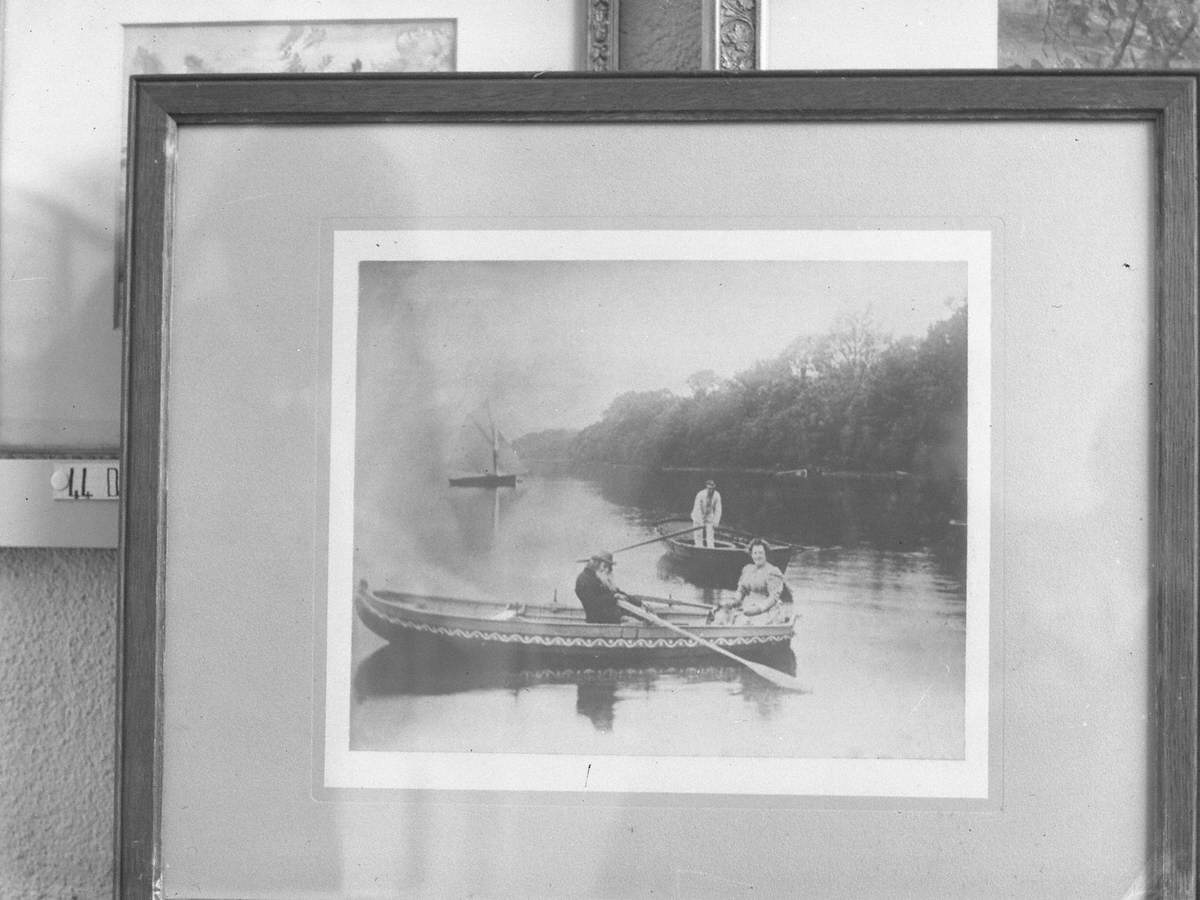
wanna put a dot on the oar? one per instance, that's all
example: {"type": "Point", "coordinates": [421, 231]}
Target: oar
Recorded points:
{"type": "Point", "coordinates": [781, 679]}
{"type": "Point", "coordinates": [661, 537]}
{"type": "Point", "coordinates": [777, 542]}
{"type": "Point", "coordinates": [670, 601]}
{"type": "Point", "coordinates": [748, 536]}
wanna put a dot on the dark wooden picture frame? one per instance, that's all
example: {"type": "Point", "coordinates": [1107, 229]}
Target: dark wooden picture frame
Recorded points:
{"type": "Point", "coordinates": [162, 105]}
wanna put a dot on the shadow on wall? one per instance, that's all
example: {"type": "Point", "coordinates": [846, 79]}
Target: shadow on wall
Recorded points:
{"type": "Point", "coordinates": [57, 316]}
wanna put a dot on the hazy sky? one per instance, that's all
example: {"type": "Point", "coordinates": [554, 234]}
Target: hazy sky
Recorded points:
{"type": "Point", "coordinates": [551, 344]}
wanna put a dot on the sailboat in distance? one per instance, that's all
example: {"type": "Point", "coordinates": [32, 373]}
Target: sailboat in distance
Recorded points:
{"type": "Point", "coordinates": [486, 458]}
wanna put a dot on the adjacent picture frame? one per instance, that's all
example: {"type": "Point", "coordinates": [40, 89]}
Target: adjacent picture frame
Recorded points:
{"type": "Point", "coordinates": [722, 35]}
{"type": "Point", "coordinates": [1081, 36]}
{"type": "Point", "coordinates": [161, 447]}
{"type": "Point", "coordinates": [396, 45]}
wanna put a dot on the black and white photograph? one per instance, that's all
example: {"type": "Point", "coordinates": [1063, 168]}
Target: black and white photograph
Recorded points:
{"type": "Point", "coordinates": [616, 498]}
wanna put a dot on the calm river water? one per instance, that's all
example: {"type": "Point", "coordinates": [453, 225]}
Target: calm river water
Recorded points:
{"type": "Point", "coordinates": [879, 596]}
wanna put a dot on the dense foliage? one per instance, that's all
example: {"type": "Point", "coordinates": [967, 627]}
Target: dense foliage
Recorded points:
{"type": "Point", "coordinates": [554, 443]}
{"type": "Point", "coordinates": [1099, 34]}
{"type": "Point", "coordinates": [848, 400]}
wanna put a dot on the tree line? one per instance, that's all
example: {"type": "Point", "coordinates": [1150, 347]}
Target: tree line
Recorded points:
{"type": "Point", "coordinates": [851, 399]}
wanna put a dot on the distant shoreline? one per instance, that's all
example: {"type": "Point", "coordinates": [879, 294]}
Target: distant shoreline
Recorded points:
{"type": "Point", "coordinates": [814, 472]}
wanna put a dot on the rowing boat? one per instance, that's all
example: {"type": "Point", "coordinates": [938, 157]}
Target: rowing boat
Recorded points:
{"type": "Point", "coordinates": [723, 562]}
{"type": "Point", "coordinates": [528, 634]}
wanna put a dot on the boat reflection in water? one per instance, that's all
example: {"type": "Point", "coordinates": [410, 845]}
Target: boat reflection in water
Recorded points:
{"type": "Point", "coordinates": [419, 668]}
{"type": "Point", "coordinates": [596, 701]}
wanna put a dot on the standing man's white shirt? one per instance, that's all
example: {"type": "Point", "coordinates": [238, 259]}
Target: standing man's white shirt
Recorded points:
{"type": "Point", "coordinates": [706, 515]}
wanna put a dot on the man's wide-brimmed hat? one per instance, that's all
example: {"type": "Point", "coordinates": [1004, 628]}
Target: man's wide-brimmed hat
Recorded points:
{"type": "Point", "coordinates": [710, 483]}
{"type": "Point", "coordinates": [603, 556]}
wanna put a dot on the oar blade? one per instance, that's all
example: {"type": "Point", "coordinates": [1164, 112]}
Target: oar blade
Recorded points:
{"type": "Point", "coordinates": [778, 678]}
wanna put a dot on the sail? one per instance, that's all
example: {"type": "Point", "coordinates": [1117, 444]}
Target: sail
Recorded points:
{"type": "Point", "coordinates": [506, 456]}
{"type": "Point", "coordinates": [481, 449]}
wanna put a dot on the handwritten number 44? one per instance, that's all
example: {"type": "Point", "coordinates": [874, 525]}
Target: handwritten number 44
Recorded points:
{"type": "Point", "coordinates": [77, 483]}
{"type": "Point", "coordinates": [82, 492]}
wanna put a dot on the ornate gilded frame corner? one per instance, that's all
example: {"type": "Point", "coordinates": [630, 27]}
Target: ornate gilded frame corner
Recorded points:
{"type": "Point", "coordinates": [739, 35]}
{"type": "Point", "coordinates": [602, 35]}
{"type": "Point", "coordinates": [732, 41]}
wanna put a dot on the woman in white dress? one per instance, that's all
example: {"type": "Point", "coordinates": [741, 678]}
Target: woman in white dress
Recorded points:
{"type": "Point", "coordinates": [759, 591]}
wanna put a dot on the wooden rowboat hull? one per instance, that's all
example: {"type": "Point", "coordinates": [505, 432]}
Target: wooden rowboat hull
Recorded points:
{"type": "Point", "coordinates": [723, 563]}
{"type": "Point", "coordinates": [541, 635]}
{"type": "Point", "coordinates": [721, 560]}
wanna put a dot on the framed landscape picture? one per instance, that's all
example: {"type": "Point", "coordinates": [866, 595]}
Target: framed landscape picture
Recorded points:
{"type": "Point", "coordinates": [504, 475]}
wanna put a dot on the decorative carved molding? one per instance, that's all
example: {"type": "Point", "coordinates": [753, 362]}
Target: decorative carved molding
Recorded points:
{"type": "Point", "coordinates": [602, 35]}
{"type": "Point", "coordinates": [738, 35]}
{"type": "Point", "coordinates": [737, 27]}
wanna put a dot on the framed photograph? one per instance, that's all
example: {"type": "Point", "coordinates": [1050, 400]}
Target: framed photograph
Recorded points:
{"type": "Point", "coordinates": [506, 475]}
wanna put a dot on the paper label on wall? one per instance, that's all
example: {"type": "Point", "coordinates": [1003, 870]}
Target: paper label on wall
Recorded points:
{"type": "Point", "coordinates": [95, 480]}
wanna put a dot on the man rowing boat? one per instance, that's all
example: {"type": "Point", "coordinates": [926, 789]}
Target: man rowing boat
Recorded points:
{"type": "Point", "coordinates": [599, 595]}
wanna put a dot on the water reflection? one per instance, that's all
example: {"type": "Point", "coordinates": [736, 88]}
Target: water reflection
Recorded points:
{"type": "Point", "coordinates": [478, 512]}
{"type": "Point", "coordinates": [596, 701]}
{"type": "Point", "coordinates": [671, 571]}
{"type": "Point", "coordinates": [424, 669]}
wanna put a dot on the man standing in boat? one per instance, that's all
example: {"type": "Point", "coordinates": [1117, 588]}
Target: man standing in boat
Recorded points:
{"type": "Point", "coordinates": [599, 595]}
{"type": "Point", "coordinates": [706, 515]}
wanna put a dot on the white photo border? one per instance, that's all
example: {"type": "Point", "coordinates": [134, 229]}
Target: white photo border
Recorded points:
{"type": "Point", "coordinates": [345, 768]}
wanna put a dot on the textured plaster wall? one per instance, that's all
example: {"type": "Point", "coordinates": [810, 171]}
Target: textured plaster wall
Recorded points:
{"type": "Point", "coordinates": [57, 672]}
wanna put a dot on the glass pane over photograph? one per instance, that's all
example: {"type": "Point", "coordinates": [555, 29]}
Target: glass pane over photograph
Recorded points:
{"type": "Point", "coordinates": [582, 368]}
